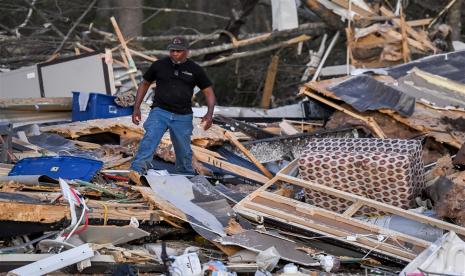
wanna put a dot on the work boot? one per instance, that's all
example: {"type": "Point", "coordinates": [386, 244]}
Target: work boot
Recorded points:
{"type": "Point", "coordinates": [134, 178]}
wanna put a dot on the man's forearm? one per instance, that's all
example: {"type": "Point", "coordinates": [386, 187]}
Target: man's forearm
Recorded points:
{"type": "Point", "coordinates": [211, 99]}
{"type": "Point", "coordinates": [141, 92]}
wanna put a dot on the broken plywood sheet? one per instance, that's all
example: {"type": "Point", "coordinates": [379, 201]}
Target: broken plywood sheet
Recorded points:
{"type": "Point", "coordinates": [258, 242]}
{"type": "Point", "coordinates": [444, 126]}
{"type": "Point", "coordinates": [24, 212]}
{"type": "Point", "coordinates": [124, 127]}
{"type": "Point", "coordinates": [112, 234]}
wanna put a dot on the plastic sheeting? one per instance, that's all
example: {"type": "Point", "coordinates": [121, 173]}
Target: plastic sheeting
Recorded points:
{"type": "Point", "coordinates": [365, 93]}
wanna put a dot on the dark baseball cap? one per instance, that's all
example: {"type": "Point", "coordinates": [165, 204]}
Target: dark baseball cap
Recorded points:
{"type": "Point", "coordinates": [178, 43]}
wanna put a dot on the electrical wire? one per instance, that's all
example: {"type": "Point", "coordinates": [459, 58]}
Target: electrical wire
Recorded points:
{"type": "Point", "coordinates": [16, 247]}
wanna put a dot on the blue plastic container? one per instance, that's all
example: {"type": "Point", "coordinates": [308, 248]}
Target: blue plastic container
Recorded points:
{"type": "Point", "coordinates": [99, 106]}
{"type": "Point", "coordinates": [66, 167]}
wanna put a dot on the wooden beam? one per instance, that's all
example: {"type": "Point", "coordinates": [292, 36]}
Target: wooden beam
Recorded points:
{"type": "Point", "coordinates": [419, 22]}
{"type": "Point", "coordinates": [210, 159]}
{"type": "Point", "coordinates": [247, 153]}
{"type": "Point", "coordinates": [370, 202]}
{"type": "Point", "coordinates": [336, 218]}
{"type": "Point", "coordinates": [160, 203]}
{"type": "Point", "coordinates": [269, 82]}
{"type": "Point", "coordinates": [262, 203]}
{"type": "Point", "coordinates": [287, 128]}
{"type": "Point", "coordinates": [332, 232]}
{"type": "Point", "coordinates": [127, 65]}
{"type": "Point", "coordinates": [354, 7]}
{"type": "Point", "coordinates": [403, 27]}
{"type": "Point", "coordinates": [121, 39]}
{"type": "Point", "coordinates": [409, 30]}
{"type": "Point", "coordinates": [353, 209]}
{"type": "Point", "coordinates": [328, 16]}
{"type": "Point", "coordinates": [368, 120]}
{"type": "Point", "coordinates": [142, 55]}
{"type": "Point", "coordinates": [272, 47]}
{"type": "Point", "coordinates": [40, 213]}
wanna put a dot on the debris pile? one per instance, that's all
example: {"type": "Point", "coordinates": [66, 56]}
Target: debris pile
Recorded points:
{"type": "Point", "coordinates": [362, 174]}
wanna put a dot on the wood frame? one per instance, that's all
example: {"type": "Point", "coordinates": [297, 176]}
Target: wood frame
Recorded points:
{"type": "Point", "coordinates": [265, 204]}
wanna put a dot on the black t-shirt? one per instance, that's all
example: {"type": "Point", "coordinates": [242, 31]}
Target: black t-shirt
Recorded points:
{"type": "Point", "coordinates": [175, 84]}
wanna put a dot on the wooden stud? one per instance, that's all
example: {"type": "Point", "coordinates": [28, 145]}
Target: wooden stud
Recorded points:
{"type": "Point", "coordinates": [405, 49]}
{"type": "Point", "coordinates": [210, 159]}
{"type": "Point", "coordinates": [353, 209]}
{"type": "Point", "coordinates": [269, 82]}
{"type": "Point", "coordinates": [409, 30]}
{"type": "Point", "coordinates": [121, 39]}
{"type": "Point", "coordinates": [247, 153]}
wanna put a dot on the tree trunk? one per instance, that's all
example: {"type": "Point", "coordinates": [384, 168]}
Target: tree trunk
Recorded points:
{"type": "Point", "coordinates": [130, 16]}
{"type": "Point", "coordinates": [454, 19]}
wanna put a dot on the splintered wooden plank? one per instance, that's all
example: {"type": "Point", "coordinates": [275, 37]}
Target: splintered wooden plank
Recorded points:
{"type": "Point", "coordinates": [414, 34]}
{"type": "Point", "coordinates": [247, 153]}
{"type": "Point", "coordinates": [405, 49]}
{"type": "Point", "coordinates": [372, 203]}
{"type": "Point", "coordinates": [41, 213]}
{"type": "Point", "coordinates": [160, 203]}
{"type": "Point", "coordinates": [287, 128]}
{"type": "Point", "coordinates": [353, 7]}
{"type": "Point", "coordinates": [262, 203]}
{"type": "Point", "coordinates": [353, 209]}
{"type": "Point", "coordinates": [205, 157]}
{"type": "Point", "coordinates": [269, 82]}
{"type": "Point", "coordinates": [336, 233]}
{"type": "Point", "coordinates": [334, 219]}
{"type": "Point", "coordinates": [98, 208]}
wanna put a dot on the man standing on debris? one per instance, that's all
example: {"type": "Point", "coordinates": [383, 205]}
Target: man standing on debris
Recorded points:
{"type": "Point", "coordinates": [175, 77]}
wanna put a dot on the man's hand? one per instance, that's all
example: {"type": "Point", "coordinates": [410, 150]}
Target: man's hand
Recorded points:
{"type": "Point", "coordinates": [136, 116]}
{"type": "Point", "coordinates": [207, 120]}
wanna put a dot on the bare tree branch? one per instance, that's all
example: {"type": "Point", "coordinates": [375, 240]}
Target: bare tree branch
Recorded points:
{"type": "Point", "coordinates": [92, 4]}
{"type": "Point", "coordinates": [256, 52]}
{"type": "Point", "coordinates": [171, 10]}
{"type": "Point", "coordinates": [26, 20]}
{"type": "Point", "coordinates": [308, 28]}
{"type": "Point", "coordinates": [42, 15]}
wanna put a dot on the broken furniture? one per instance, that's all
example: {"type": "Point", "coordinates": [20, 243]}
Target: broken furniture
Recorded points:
{"type": "Point", "coordinates": [386, 170]}
{"type": "Point", "coordinates": [343, 227]}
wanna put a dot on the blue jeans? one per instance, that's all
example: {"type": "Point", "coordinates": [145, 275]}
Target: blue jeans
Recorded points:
{"type": "Point", "coordinates": [180, 127]}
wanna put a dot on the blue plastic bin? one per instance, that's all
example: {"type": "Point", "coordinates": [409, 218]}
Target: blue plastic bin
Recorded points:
{"type": "Point", "coordinates": [66, 167]}
{"type": "Point", "coordinates": [99, 106]}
